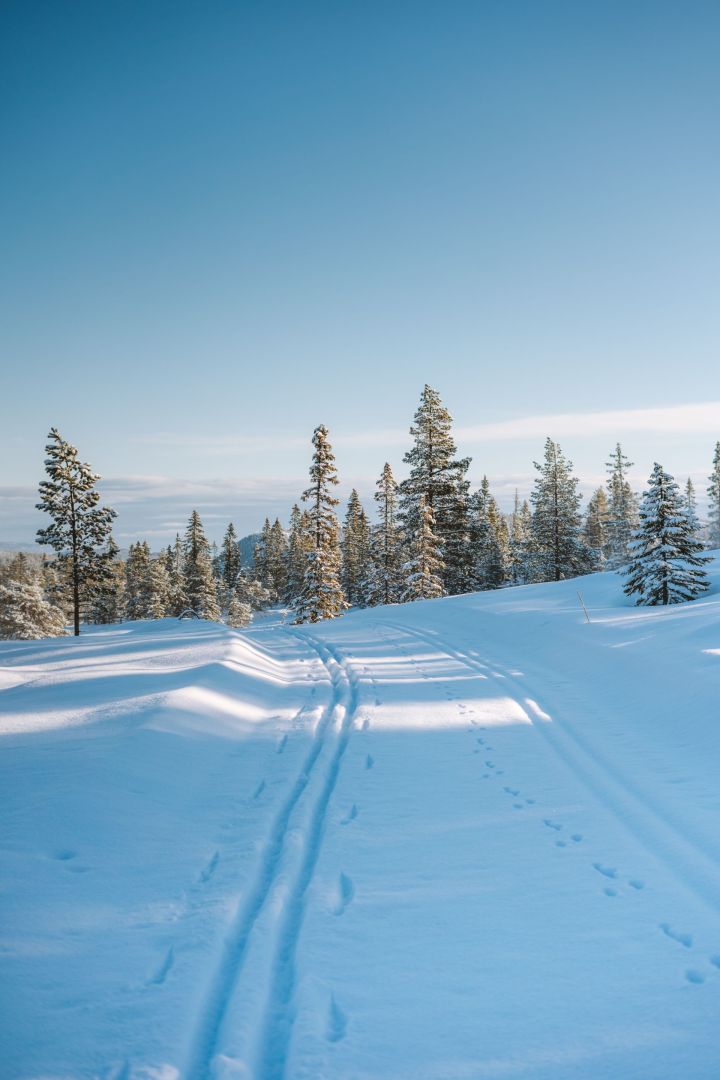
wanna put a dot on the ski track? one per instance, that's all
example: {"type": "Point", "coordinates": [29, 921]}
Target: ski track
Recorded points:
{"type": "Point", "coordinates": [279, 1016]}
{"type": "Point", "coordinates": [208, 1031]}
{"type": "Point", "coordinates": [691, 867]}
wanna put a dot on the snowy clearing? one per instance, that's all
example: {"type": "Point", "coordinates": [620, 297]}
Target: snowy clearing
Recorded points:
{"type": "Point", "coordinates": [472, 837]}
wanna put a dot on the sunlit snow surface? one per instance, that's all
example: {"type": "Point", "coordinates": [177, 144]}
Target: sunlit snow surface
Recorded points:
{"type": "Point", "coordinates": [473, 837]}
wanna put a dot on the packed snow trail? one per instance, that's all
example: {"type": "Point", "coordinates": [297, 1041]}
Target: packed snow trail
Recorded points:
{"type": "Point", "coordinates": [472, 837]}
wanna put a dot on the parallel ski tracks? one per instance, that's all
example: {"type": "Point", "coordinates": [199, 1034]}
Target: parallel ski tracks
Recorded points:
{"type": "Point", "coordinates": [276, 1026]}
{"type": "Point", "coordinates": [683, 857]}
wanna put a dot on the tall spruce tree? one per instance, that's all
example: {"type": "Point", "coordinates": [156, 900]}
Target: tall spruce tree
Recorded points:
{"type": "Point", "coordinates": [558, 551]}
{"type": "Point", "coordinates": [160, 596]}
{"type": "Point", "coordinates": [108, 604]}
{"type": "Point", "coordinates": [276, 570]}
{"type": "Point", "coordinates": [438, 478]}
{"type": "Point", "coordinates": [300, 544]}
{"type": "Point", "coordinates": [199, 581]}
{"type": "Point", "coordinates": [80, 526]}
{"type": "Point", "coordinates": [422, 570]}
{"type": "Point", "coordinates": [622, 509]}
{"type": "Point", "coordinates": [490, 540]}
{"type": "Point", "coordinates": [137, 581]}
{"type": "Point", "coordinates": [713, 493]}
{"type": "Point", "coordinates": [595, 529]}
{"type": "Point", "coordinates": [691, 506]}
{"type": "Point", "coordinates": [666, 566]}
{"type": "Point", "coordinates": [520, 542]}
{"type": "Point", "coordinates": [355, 548]}
{"type": "Point", "coordinates": [385, 580]}
{"type": "Point", "coordinates": [175, 566]}
{"type": "Point", "coordinates": [321, 596]}
{"type": "Point", "coordinates": [230, 557]}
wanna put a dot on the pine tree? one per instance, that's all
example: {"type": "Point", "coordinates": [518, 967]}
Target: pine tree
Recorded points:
{"type": "Point", "coordinates": [490, 540]}
{"type": "Point", "coordinates": [422, 570]}
{"type": "Point", "coordinates": [239, 613]}
{"type": "Point", "coordinates": [520, 543]}
{"type": "Point", "coordinates": [666, 566]}
{"type": "Point", "coordinates": [199, 580]}
{"type": "Point", "coordinates": [713, 492]}
{"type": "Point", "coordinates": [230, 558]}
{"type": "Point", "coordinates": [159, 592]}
{"type": "Point", "coordinates": [250, 591]}
{"type": "Point", "coordinates": [25, 612]}
{"type": "Point", "coordinates": [355, 552]}
{"type": "Point", "coordinates": [261, 556]}
{"type": "Point", "coordinates": [385, 581]}
{"type": "Point", "coordinates": [622, 510]}
{"type": "Point", "coordinates": [439, 478]}
{"type": "Point", "coordinates": [300, 545]}
{"type": "Point", "coordinates": [108, 605]}
{"type": "Point", "coordinates": [321, 596]}
{"type": "Point", "coordinates": [276, 570]}
{"type": "Point", "coordinates": [558, 551]}
{"type": "Point", "coordinates": [691, 506]}
{"type": "Point", "coordinates": [595, 529]}
{"type": "Point", "coordinates": [175, 566]}
{"type": "Point", "coordinates": [80, 526]}
{"type": "Point", "coordinates": [137, 581]}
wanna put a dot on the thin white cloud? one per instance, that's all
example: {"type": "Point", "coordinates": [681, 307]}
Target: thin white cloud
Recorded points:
{"type": "Point", "coordinates": [677, 419]}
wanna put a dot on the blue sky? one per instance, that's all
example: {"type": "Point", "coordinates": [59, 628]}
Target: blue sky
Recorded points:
{"type": "Point", "coordinates": [225, 223]}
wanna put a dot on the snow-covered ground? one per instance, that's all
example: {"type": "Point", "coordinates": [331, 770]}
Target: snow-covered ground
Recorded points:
{"type": "Point", "coordinates": [473, 837]}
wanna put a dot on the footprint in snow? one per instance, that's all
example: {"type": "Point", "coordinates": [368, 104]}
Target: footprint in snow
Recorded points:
{"type": "Point", "coordinates": [337, 1022]}
{"type": "Point", "coordinates": [576, 837]}
{"type": "Point", "coordinates": [636, 883]}
{"type": "Point", "coordinates": [352, 814]}
{"type": "Point", "coordinates": [282, 744]}
{"type": "Point", "coordinates": [511, 791]}
{"type": "Point", "coordinates": [369, 762]}
{"type": "Point", "coordinates": [552, 824]}
{"type": "Point", "coordinates": [606, 871]}
{"type": "Point", "coordinates": [346, 891]}
{"type": "Point", "coordinates": [610, 892]}
{"type": "Point", "coordinates": [210, 869]}
{"type": "Point", "coordinates": [694, 976]}
{"type": "Point", "coordinates": [682, 939]}
{"type": "Point", "coordinates": [164, 970]}
{"type": "Point", "coordinates": [259, 790]}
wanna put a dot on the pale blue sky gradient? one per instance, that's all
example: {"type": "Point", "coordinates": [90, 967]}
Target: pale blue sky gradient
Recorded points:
{"type": "Point", "coordinates": [225, 223]}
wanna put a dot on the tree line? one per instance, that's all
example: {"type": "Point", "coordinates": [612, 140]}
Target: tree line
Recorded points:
{"type": "Point", "coordinates": [432, 536]}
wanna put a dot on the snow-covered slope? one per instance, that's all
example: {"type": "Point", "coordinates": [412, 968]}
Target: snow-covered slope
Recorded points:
{"type": "Point", "coordinates": [473, 837]}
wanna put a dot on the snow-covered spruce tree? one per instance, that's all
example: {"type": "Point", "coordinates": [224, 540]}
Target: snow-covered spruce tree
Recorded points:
{"type": "Point", "coordinates": [422, 570]}
{"type": "Point", "coordinates": [622, 510]}
{"type": "Point", "coordinates": [385, 579]}
{"type": "Point", "coordinates": [300, 544]}
{"type": "Point", "coordinates": [25, 612]}
{"type": "Point", "coordinates": [248, 590]}
{"type": "Point", "coordinates": [713, 493]}
{"type": "Point", "coordinates": [439, 478]}
{"type": "Point", "coordinates": [239, 613]}
{"type": "Point", "coordinates": [666, 566]}
{"type": "Point", "coordinates": [137, 583]}
{"type": "Point", "coordinates": [558, 551]}
{"type": "Point", "coordinates": [690, 501]}
{"type": "Point", "coordinates": [175, 566]}
{"type": "Point", "coordinates": [261, 556]}
{"type": "Point", "coordinates": [355, 546]}
{"type": "Point", "coordinates": [230, 558]}
{"type": "Point", "coordinates": [80, 526]}
{"type": "Point", "coordinates": [490, 540]}
{"type": "Point", "coordinates": [159, 589]}
{"type": "Point", "coordinates": [276, 560]}
{"type": "Point", "coordinates": [321, 596]}
{"type": "Point", "coordinates": [108, 604]}
{"type": "Point", "coordinates": [595, 529]}
{"type": "Point", "coordinates": [520, 549]}
{"type": "Point", "coordinates": [199, 581]}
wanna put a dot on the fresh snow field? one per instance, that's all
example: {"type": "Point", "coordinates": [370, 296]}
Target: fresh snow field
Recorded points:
{"type": "Point", "coordinates": [473, 837]}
